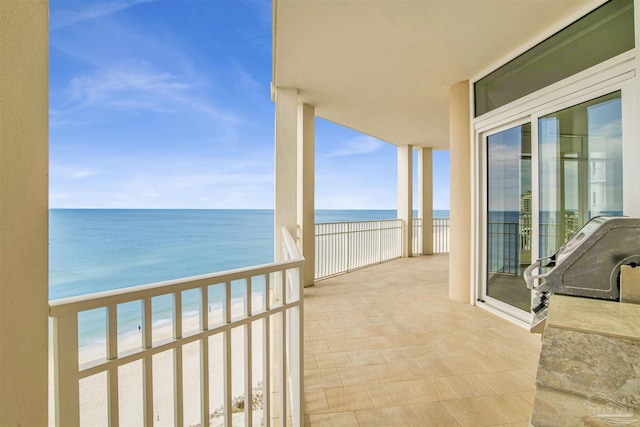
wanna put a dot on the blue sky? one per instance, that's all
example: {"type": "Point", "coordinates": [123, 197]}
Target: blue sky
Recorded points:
{"type": "Point", "coordinates": [166, 104]}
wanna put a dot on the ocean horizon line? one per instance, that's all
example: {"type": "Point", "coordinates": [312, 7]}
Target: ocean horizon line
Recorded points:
{"type": "Point", "coordinates": [228, 209]}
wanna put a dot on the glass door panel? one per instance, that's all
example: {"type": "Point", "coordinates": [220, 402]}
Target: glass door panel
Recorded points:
{"type": "Point", "coordinates": [580, 168]}
{"type": "Point", "coordinates": [509, 215]}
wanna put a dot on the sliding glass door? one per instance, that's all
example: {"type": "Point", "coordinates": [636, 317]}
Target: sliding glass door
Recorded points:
{"type": "Point", "coordinates": [509, 215]}
{"type": "Point", "coordinates": [578, 161]}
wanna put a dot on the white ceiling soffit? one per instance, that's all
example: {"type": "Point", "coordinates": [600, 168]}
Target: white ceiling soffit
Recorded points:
{"type": "Point", "coordinates": [384, 67]}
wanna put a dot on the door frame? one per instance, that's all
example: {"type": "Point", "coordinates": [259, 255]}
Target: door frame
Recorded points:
{"type": "Point", "coordinates": [615, 74]}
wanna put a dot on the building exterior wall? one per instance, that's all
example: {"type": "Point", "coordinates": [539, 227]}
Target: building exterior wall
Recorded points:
{"type": "Point", "coordinates": [23, 212]}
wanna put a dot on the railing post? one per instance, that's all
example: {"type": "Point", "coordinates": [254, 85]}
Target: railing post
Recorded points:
{"type": "Point", "coordinates": [379, 241]}
{"type": "Point", "coordinates": [65, 368]}
{"type": "Point", "coordinates": [112, 378]}
{"type": "Point", "coordinates": [348, 246]}
{"type": "Point", "coordinates": [296, 358]}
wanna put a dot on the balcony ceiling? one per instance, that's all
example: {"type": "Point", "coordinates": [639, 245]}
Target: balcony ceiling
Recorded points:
{"type": "Point", "coordinates": [384, 68]}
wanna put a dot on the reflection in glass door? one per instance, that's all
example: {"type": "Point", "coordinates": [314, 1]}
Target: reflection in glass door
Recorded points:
{"type": "Point", "coordinates": [580, 167]}
{"type": "Point", "coordinates": [509, 215]}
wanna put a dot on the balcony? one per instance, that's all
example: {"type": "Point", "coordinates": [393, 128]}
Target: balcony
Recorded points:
{"type": "Point", "coordinates": [383, 345]}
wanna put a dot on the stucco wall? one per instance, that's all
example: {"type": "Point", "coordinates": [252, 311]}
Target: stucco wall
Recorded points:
{"type": "Point", "coordinates": [23, 212]}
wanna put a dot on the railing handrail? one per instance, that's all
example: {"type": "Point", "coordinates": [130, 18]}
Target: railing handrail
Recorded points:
{"type": "Point", "coordinates": [63, 306]}
{"type": "Point", "coordinates": [291, 250]}
{"type": "Point", "coordinates": [358, 222]}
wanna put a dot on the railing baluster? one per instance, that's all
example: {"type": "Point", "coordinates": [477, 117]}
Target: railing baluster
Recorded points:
{"type": "Point", "coordinates": [283, 368]}
{"type": "Point", "coordinates": [178, 387]}
{"type": "Point", "coordinates": [204, 357]}
{"type": "Point", "coordinates": [112, 373]}
{"type": "Point", "coordinates": [296, 356]}
{"type": "Point", "coordinates": [266, 368]}
{"type": "Point", "coordinates": [204, 381]}
{"type": "Point", "coordinates": [228, 416]}
{"type": "Point", "coordinates": [147, 363]}
{"type": "Point", "coordinates": [65, 354]}
{"type": "Point", "coordinates": [248, 361]}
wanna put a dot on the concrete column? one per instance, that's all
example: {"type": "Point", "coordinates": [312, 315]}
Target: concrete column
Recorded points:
{"type": "Point", "coordinates": [425, 198]}
{"type": "Point", "coordinates": [286, 166]}
{"type": "Point", "coordinates": [460, 203]}
{"type": "Point", "coordinates": [405, 196]}
{"type": "Point", "coordinates": [24, 213]}
{"type": "Point", "coordinates": [306, 189]}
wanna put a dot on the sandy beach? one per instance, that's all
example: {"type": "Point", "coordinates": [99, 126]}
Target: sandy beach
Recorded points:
{"type": "Point", "coordinates": [93, 390]}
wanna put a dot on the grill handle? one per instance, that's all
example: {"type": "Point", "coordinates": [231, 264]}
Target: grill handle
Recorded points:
{"type": "Point", "coordinates": [530, 277]}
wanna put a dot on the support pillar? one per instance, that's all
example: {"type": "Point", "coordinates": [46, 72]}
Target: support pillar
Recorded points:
{"type": "Point", "coordinates": [460, 203]}
{"type": "Point", "coordinates": [306, 189]}
{"type": "Point", "coordinates": [405, 196]}
{"type": "Point", "coordinates": [425, 198]}
{"type": "Point", "coordinates": [24, 164]}
{"type": "Point", "coordinates": [286, 166]}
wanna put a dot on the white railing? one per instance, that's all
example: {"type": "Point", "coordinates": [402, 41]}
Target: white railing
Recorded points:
{"type": "Point", "coordinates": [417, 236]}
{"type": "Point", "coordinates": [441, 227]}
{"type": "Point", "coordinates": [346, 246]}
{"type": "Point", "coordinates": [124, 384]}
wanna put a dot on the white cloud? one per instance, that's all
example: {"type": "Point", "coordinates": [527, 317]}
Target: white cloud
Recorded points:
{"type": "Point", "coordinates": [358, 145]}
{"type": "Point", "coordinates": [72, 172]}
{"type": "Point", "coordinates": [138, 86]}
{"type": "Point", "coordinates": [69, 17]}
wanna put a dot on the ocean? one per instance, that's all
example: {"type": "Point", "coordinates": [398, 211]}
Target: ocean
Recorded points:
{"type": "Point", "coordinates": [93, 250]}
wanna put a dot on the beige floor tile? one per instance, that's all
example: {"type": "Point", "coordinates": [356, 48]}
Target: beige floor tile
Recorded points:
{"type": "Point", "coordinates": [429, 390]}
{"type": "Point", "coordinates": [322, 333]}
{"type": "Point", "coordinates": [427, 338]}
{"type": "Point", "coordinates": [395, 355]}
{"type": "Point", "coordinates": [462, 365]}
{"type": "Point", "coordinates": [383, 417]}
{"type": "Point", "coordinates": [528, 376]}
{"type": "Point", "coordinates": [427, 368]}
{"type": "Point", "coordinates": [316, 401]}
{"type": "Point", "coordinates": [321, 378]}
{"type": "Point", "coordinates": [393, 372]}
{"type": "Point", "coordinates": [351, 332]}
{"type": "Point", "coordinates": [504, 382]}
{"type": "Point", "coordinates": [512, 406]}
{"type": "Point", "coordinates": [366, 357]}
{"type": "Point", "coordinates": [473, 412]}
{"type": "Point", "coordinates": [314, 347]}
{"type": "Point", "coordinates": [349, 398]}
{"type": "Point", "coordinates": [310, 361]}
{"type": "Point", "coordinates": [395, 341]}
{"type": "Point", "coordinates": [358, 375]}
{"type": "Point", "coordinates": [529, 395]}
{"type": "Point", "coordinates": [389, 394]}
{"type": "Point", "coordinates": [332, 360]}
{"type": "Point", "coordinates": [429, 414]}
{"type": "Point", "coordinates": [493, 362]}
{"type": "Point", "coordinates": [468, 386]}
{"type": "Point", "coordinates": [339, 419]}
{"type": "Point", "coordinates": [353, 344]}
{"type": "Point", "coordinates": [426, 351]}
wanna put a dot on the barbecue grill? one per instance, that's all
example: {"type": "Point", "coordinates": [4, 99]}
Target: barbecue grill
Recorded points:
{"type": "Point", "coordinates": [587, 265]}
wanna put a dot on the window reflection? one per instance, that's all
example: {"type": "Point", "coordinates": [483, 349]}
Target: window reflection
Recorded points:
{"type": "Point", "coordinates": [509, 215]}
{"type": "Point", "coordinates": [580, 164]}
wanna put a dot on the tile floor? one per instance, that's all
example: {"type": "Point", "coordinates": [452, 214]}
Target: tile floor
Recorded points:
{"type": "Point", "coordinates": [384, 346]}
